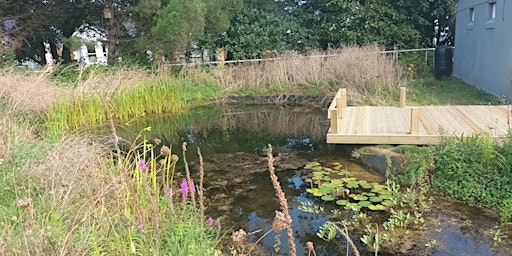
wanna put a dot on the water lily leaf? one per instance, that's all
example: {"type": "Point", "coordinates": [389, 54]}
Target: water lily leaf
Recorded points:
{"type": "Point", "coordinates": [326, 188]}
{"type": "Point", "coordinates": [376, 207]}
{"type": "Point", "coordinates": [368, 194]}
{"type": "Point", "coordinates": [328, 198]}
{"type": "Point", "coordinates": [353, 184]}
{"type": "Point", "coordinates": [327, 169]}
{"type": "Point", "coordinates": [384, 196]}
{"type": "Point", "coordinates": [336, 164]}
{"type": "Point", "coordinates": [337, 183]}
{"type": "Point", "coordinates": [364, 184]}
{"type": "Point", "coordinates": [347, 179]}
{"type": "Point", "coordinates": [380, 207]}
{"type": "Point", "coordinates": [316, 168]}
{"type": "Point", "coordinates": [365, 203]}
{"type": "Point", "coordinates": [376, 199]}
{"type": "Point", "coordinates": [311, 165]}
{"type": "Point", "coordinates": [385, 192]}
{"type": "Point", "coordinates": [314, 191]}
{"type": "Point", "coordinates": [387, 203]}
{"type": "Point", "coordinates": [379, 187]}
{"type": "Point", "coordinates": [353, 206]}
{"type": "Point", "coordinates": [341, 202]}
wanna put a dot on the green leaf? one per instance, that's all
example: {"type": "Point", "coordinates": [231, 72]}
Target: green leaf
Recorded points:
{"type": "Point", "coordinates": [342, 202]}
{"type": "Point", "coordinates": [328, 198]}
{"type": "Point", "coordinates": [376, 199]}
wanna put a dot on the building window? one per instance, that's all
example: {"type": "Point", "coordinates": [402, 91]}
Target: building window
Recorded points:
{"type": "Point", "coordinates": [471, 15]}
{"type": "Point", "coordinates": [492, 11]}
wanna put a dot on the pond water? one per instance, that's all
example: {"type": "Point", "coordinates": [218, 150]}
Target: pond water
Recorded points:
{"type": "Point", "coordinates": [239, 192]}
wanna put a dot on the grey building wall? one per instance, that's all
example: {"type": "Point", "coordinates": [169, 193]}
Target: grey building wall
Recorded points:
{"type": "Point", "coordinates": [483, 45]}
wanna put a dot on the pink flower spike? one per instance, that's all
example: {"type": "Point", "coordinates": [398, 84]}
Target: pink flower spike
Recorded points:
{"type": "Point", "coordinates": [184, 188]}
{"type": "Point", "coordinates": [192, 186]}
{"type": "Point", "coordinates": [210, 221]}
{"type": "Point", "coordinates": [142, 164]}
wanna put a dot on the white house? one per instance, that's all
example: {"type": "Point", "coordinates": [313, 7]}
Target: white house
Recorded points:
{"type": "Point", "coordinates": [483, 45]}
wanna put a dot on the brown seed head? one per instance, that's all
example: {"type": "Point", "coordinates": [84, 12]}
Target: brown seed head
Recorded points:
{"type": "Point", "coordinates": [239, 237]}
{"type": "Point", "coordinates": [174, 158]}
{"type": "Point", "coordinates": [310, 246]}
{"type": "Point", "coordinates": [157, 141]}
{"type": "Point", "coordinates": [164, 151]}
{"type": "Point", "coordinates": [280, 222]}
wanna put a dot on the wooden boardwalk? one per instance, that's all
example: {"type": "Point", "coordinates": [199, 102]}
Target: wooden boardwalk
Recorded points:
{"type": "Point", "coordinates": [412, 125]}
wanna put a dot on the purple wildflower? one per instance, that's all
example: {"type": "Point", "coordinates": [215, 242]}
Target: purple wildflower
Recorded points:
{"type": "Point", "coordinates": [142, 164]}
{"type": "Point", "coordinates": [192, 186]}
{"type": "Point", "coordinates": [184, 188]}
{"type": "Point", "coordinates": [141, 228]}
{"type": "Point", "coordinates": [210, 221]}
{"type": "Point", "coordinates": [167, 190]}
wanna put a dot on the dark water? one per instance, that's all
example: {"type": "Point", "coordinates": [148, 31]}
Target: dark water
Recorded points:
{"type": "Point", "coordinates": [239, 191]}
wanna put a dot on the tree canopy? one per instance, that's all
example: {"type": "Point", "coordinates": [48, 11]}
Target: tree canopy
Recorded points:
{"type": "Point", "coordinates": [245, 27]}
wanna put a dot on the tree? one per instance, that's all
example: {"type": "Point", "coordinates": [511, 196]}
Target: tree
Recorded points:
{"type": "Point", "coordinates": [254, 31]}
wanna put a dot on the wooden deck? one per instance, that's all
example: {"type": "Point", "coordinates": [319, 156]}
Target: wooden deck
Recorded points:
{"type": "Point", "coordinates": [412, 125]}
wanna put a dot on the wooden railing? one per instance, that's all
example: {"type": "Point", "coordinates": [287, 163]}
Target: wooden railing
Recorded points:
{"type": "Point", "coordinates": [339, 103]}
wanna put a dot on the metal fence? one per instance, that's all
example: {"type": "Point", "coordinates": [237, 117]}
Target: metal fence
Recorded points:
{"type": "Point", "coordinates": [426, 53]}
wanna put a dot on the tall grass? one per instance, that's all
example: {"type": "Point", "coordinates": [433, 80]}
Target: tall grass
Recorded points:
{"type": "Point", "coordinates": [72, 201]}
{"type": "Point", "coordinates": [368, 75]}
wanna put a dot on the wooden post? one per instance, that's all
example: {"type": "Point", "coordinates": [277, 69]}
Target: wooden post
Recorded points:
{"type": "Point", "coordinates": [334, 121]}
{"type": "Point", "coordinates": [339, 107]}
{"type": "Point", "coordinates": [344, 97]}
{"type": "Point", "coordinates": [415, 120]}
{"type": "Point", "coordinates": [403, 94]}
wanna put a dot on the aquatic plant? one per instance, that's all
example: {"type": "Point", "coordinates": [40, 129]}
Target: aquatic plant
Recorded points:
{"type": "Point", "coordinates": [337, 184]}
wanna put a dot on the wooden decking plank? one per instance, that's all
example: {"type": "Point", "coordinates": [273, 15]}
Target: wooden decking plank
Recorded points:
{"type": "Point", "coordinates": [427, 125]}
{"type": "Point", "coordinates": [391, 125]}
{"type": "Point", "coordinates": [466, 119]}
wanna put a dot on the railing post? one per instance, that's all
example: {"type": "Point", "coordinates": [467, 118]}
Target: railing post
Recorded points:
{"type": "Point", "coordinates": [415, 120]}
{"type": "Point", "coordinates": [403, 94]}
{"type": "Point", "coordinates": [334, 120]}
{"type": "Point", "coordinates": [344, 97]}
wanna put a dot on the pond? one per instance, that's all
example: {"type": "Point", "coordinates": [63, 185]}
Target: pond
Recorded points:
{"type": "Point", "coordinates": [233, 139]}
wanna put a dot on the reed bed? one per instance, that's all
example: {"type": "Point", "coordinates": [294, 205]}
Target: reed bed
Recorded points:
{"type": "Point", "coordinates": [369, 76]}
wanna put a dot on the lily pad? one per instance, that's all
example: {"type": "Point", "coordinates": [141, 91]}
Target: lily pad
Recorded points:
{"type": "Point", "coordinates": [353, 206]}
{"type": "Point", "coordinates": [342, 202]}
{"type": "Point", "coordinates": [328, 198]}
{"type": "Point", "coordinates": [385, 192]}
{"type": "Point", "coordinates": [352, 184]}
{"type": "Point", "coordinates": [387, 203]}
{"type": "Point", "coordinates": [364, 184]}
{"type": "Point", "coordinates": [365, 203]}
{"type": "Point", "coordinates": [384, 196]}
{"type": "Point", "coordinates": [311, 164]}
{"type": "Point", "coordinates": [376, 199]}
{"type": "Point", "coordinates": [314, 191]}
{"type": "Point", "coordinates": [376, 207]}
{"type": "Point", "coordinates": [368, 194]}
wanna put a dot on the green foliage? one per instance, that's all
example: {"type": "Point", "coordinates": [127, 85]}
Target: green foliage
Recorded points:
{"type": "Point", "coordinates": [8, 59]}
{"type": "Point", "coordinates": [254, 31]}
{"type": "Point", "coordinates": [475, 170]}
{"type": "Point", "coordinates": [177, 25]}
{"type": "Point", "coordinates": [158, 97]}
